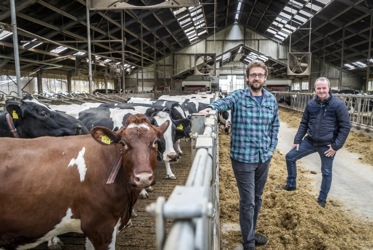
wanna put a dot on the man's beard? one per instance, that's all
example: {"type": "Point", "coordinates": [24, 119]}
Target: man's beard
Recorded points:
{"type": "Point", "coordinates": [254, 88]}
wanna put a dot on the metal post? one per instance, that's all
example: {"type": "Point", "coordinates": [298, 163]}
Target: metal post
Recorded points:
{"type": "Point", "coordinates": [123, 84]}
{"type": "Point", "coordinates": [15, 45]}
{"type": "Point", "coordinates": [89, 49]}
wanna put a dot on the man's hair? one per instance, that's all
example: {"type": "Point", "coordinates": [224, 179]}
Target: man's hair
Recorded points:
{"type": "Point", "coordinates": [322, 79]}
{"type": "Point", "coordinates": [256, 63]}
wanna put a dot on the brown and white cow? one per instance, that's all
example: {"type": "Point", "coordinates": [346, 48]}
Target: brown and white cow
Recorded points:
{"type": "Point", "coordinates": [86, 184]}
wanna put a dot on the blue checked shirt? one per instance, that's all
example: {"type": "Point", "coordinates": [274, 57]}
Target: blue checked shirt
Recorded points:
{"type": "Point", "coordinates": [255, 125]}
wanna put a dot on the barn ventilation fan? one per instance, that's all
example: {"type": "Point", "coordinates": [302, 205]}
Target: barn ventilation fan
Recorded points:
{"type": "Point", "coordinates": [299, 63]}
{"type": "Point", "coordinates": [204, 64]}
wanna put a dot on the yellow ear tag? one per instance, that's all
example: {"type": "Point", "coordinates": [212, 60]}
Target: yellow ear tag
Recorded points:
{"type": "Point", "coordinates": [14, 114]}
{"type": "Point", "coordinates": [105, 139]}
{"type": "Point", "coordinates": [180, 127]}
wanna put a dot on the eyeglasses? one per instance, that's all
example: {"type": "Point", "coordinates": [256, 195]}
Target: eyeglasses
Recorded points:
{"type": "Point", "coordinates": [260, 76]}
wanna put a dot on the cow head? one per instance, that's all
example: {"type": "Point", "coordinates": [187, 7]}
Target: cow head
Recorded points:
{"type": "Point", "coordinates": [183, 129]}
{"type": "Point", "coordinates": [138, 142]}
{"type": "Point", "coordinates": [34, 119]}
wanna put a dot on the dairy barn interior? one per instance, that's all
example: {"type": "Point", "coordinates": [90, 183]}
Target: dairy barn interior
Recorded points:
{"type": "Point", "coordinates": [107, 51]}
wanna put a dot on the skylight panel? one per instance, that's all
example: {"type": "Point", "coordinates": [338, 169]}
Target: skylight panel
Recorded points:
{"type": "Point", "coordinates": [313, 7]}
{"type": "Point", "coordinates": [359, 64]}
{"type": "Point", "coordinates": [226, 56]}
{"type": "Point", "coordinates": [325, 2]}
{"type": "Point", "coordinates": [290, 9]}
{"type": "Point", "coordinates": [349, 66]}
{"type": "Point", "coordinates": [263, 58]}
{"type": "Point", "coordinates": [4, 34]}
{"type": "Point", "coordinates": [202, 32]}
{"type": "Point", "coordinates": [301, 19]}
{"type": "Point", "coordinates": [296, 4]}
{"type": "Point", "coordinates": [294, 15]}
{"type": "Point", "coordinates": [180, 10]}
{"type": "Point", "coordinates": [191, 19]}
{"type": "Point", "coordinates": [191, 39]}
{"type": "Point", "coordinates": [193, 13]}
{"type": "Point", "coordinates": [59, 49]}
{"type": "Point", "coordinates": [271, 31]}
{"type": "Point", "coordinates": [305, 13]}
{"type": "Point", "coordinates": [281, 38]}
{"type": "Point", "coordinates": [32, 44]}
{"type": "Point", "coordinates": [283, 15]}
{"type": "Point", "coordinates": [189, 29]}
{"type": "Point", "coordinates": [186, 20]}
{"type": "Point", "coordinates": [238, 11]}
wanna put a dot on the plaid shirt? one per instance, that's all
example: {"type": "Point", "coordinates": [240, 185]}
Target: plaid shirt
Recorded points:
{"type": "Point", "coordinates": [255, 125]}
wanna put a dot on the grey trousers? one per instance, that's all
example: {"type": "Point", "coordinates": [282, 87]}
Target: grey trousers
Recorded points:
{"type": "Point", "coordinates": [251, 179]}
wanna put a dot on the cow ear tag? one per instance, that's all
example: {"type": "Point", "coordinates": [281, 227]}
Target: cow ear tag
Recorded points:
{"type": "Point", "coordinates": [14, 114]}
{"type": "Point", "coordinates": [180, 127]}
{"type": "Point", "coordinates": [105, 139]}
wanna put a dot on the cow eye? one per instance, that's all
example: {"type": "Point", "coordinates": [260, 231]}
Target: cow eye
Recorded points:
{"type": "Point", "coordinates": [44, 113]}
{"type": "Point", "coordinates": [125, 146]}
{"type": "Point", "coordinates": [155, 143]}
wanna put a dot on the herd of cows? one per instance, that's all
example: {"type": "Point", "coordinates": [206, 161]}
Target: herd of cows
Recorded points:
{"type": "Point", "coordinates": [83, 167]}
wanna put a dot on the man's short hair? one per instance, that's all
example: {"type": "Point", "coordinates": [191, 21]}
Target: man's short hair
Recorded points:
{"type": "Point", "coordinates": [256, 63]}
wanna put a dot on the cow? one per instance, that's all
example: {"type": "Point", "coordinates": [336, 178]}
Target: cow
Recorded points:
{"type": "Point", "coordinates": [114, 118]}
{"type": "Point", "coordinates": [29, 119]}
{"type": "Point", "coordinates": [84, 184]}
{"type": "Point", "coordinates": [285, 99]}
{"type": "Point", "coordinates": [224, 119]}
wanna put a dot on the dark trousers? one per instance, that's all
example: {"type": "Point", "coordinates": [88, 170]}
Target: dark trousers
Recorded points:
{"type": "Point", "coordinates": [251, 179]}
{"type": "Point", "coordinates": [306, 148]}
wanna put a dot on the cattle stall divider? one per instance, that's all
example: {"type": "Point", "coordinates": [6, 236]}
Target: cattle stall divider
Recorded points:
{"type": "Point", "coordinates": [194, 208]}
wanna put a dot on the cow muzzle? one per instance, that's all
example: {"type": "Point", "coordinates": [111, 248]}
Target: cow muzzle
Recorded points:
{"type": "Point", "coordinates": [143, 180]}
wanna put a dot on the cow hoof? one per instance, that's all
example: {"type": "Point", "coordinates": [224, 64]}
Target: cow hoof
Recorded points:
{"type": "Point", "coordinates": [55, 244]}
{"type": "Point", "coordinates": [133, 215]}
{"type": "Point", "coordinates": [129, 224]}
{"type": "Point", "coordinates": [144, 194]}
{"type": "Point", "coordinates": [171, 177]}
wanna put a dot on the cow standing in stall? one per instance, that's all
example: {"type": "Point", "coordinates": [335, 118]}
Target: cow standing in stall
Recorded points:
{"type": "Point", "coordinates": [86, 184]}
{"type": "Point", "coordinates": [30, 118]}
{"type": "Point", "coordinates": [113, 116]}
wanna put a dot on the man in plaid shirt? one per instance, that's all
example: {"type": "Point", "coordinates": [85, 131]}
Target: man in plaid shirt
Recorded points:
{"type": "Point", "coordinates": [255, 127]}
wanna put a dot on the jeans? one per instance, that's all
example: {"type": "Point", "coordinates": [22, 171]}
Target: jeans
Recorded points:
{"type": "Point", "coordinates": [251, 179]}
{"type": "Point", "coordinates": [306, 148]}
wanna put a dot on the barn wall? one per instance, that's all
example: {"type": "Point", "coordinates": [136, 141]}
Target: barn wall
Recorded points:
{"type": "Point", "coordinates": [234, 36]}
{"type": "Point", "coordinates": [51, 84]}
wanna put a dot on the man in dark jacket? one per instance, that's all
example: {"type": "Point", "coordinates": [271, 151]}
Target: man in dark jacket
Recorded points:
{"type": "Point", "coordinates": [324, 128]}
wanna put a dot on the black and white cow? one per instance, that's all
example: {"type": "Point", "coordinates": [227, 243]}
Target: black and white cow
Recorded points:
{"type": "Point", "coordinates": [29, 119]}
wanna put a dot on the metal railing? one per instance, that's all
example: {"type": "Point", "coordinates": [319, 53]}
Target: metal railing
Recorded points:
{"type": "Point", "coordinates": [195, 206]}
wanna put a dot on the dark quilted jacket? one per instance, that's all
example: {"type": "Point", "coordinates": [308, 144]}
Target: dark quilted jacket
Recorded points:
{"type": "Point", "coordinates": [324, 123]}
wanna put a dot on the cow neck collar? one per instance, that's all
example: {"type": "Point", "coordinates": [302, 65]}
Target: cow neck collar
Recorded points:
{"type": "Point", "coordinates": [11, 126]}
{"type": "Point", "coordinates": [114, 171]}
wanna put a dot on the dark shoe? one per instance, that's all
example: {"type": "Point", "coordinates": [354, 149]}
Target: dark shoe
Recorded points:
{"type": "Point", "coordinates": [260, 240]}
{"type": "Point", "coordinates": [287, 188]}
{"type": "Point", "coordinates": [322, 203]}
{"type": "Point", "coordinates": [249, 248]}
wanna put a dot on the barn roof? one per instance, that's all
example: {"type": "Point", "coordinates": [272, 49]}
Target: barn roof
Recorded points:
{"type": "Point", "coordinates": [53, 34]}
